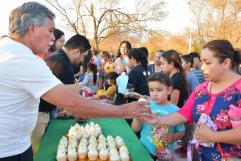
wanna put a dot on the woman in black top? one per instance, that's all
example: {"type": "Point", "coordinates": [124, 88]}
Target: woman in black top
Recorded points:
{"type": "Point", "coordinates": [138, 74]}
{"type": "Point", "coordinates": [139, 70]}
{"type": "Point", "coordinates": [171, 64]}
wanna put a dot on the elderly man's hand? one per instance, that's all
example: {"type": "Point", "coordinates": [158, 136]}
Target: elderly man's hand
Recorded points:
{"type": "Point", "coordinates": [79, 118]}
{"type": "Point", "coordinates": [135, 109]}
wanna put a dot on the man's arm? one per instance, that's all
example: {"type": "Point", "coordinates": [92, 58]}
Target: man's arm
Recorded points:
{"type": "Point", "coordinates": [73, 88]}
{"type": "Point", "coordinates": [62, 96]}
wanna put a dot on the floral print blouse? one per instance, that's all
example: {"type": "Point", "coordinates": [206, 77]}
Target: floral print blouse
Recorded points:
{"type": "Point", "coordinates": [216, 106]}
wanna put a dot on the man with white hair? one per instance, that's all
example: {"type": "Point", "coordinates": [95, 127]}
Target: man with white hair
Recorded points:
{"type": "Point", "coordinates": [25, 78]}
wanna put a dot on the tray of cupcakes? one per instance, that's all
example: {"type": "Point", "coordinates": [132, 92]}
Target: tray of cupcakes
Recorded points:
{"type": "Point", "coordinates": [87, 143]}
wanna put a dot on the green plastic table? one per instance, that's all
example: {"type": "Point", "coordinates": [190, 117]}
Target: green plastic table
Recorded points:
{"type": "Point", "coordinates": [110, 126]}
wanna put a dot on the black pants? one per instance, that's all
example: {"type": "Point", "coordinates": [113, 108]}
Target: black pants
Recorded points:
{"type": "Point", "coordinates": [25, 156]}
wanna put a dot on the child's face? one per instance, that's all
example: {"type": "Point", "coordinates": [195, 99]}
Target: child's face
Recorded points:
{"type": "Point", "coordinates": [104, 58]}
{"type": "Point", "coordinates": [123, 49]}
{"type": "Point", "coordinates": [88, 69]}
{"type": "Point", "coordinates": [165, 66]}
{"type": "Point", "coordinates": [110, 81]}
{"type": "Point", "coordinates": [157, 58]}
{"type": "Point", "coordinates": [131, 63]}
{"type": "Point", "coordinates": [159, 91]}
{"type": "Point", "coordinates": [59, 43]}
{"type": "Point", "coordinates": [196, 62]}
{"type": "Point", "coordinates": [109, 60]}
{"type": "Point", "coordinates": [186, 66]}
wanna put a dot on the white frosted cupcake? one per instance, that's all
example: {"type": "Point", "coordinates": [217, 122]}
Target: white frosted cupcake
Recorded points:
{"type": "Point", "coordinates": [111, 145]}
{"type": "Point", "coordinates": [92, 139]}
{"type": "Point", "coordinates": [72, 155]}
{"type": "Point", "coordinates": [91, 131]}
{"type": "Point", "coordinates": [93, 143]}
{"type": "Point", "coordinates": [102, 142]}
{"type": "Point", "coordinates": [82, 145]}
{"type": "Point", "coordinates": [119, 142]}
{"type": "Point", "coordinates": [101, 146]}
{"type": "Point", "coordinates": [87, 131]}
{"type": "Point", "coordinates": [63, 141]}
{"type": "Point", "coordinates": [101, 138]}
{"type": "Point", "coordinates": [110, 138]}
{"type": "Point", "coordinates": [83, 132]}
{"type": "Point", "coordinates": [97, 130]}
{"type": "Point", "coordinates": [61, 155]}
{"type": "Point", "coordinates": [114, 157]}
{"type": "Point", "coordinates": [87, 126]}
{"type": "Point", "coordinates": [103, 154]}
{"type": "Point", "coordinates": [124, 156]}
{"type": "Point", "coordinates": [92, 154]}
{"type": "Point", "coordinates": [113, 151]}
{"type": "Point", "coordinates": [82, 152]}
{"type": "Point", "coordinates": [123, 149]}
{"type": "Point", "coordinates": [92, 124]}
{"type": "Point", "coordinates": [73, 143]}
{"type": "Point", "coordinates": [73, 133]}
{"type": "Point", "coordinates": [97, 126]}
{"type": "Point", "coordinates": [91, 147]}
{"type": "Point", "coordinates": [62, 147]}
{"type": "Point", "coordinates": [142, 100]}
{"type": "Point", "coordinates": [84, 141]}
{"type": "Point", "coordinates": [118, 138]}
{"type": "Point", "coordinates": [110, 142]}
{"type": "Point", "coordinates": [61, 158]}
{"type": "Point", "coordinates": [77, 127]}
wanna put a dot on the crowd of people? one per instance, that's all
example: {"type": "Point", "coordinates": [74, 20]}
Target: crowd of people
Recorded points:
{"type": "Point", "coordinates": [42, 76]}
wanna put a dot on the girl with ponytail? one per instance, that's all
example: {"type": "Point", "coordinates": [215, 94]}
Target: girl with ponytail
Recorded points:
{"type": "Point", "coordinates": [139, 70]}
{"type": "Point", "coordinates": [172, 65]}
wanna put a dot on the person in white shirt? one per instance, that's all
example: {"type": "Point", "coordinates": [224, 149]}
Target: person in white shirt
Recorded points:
{"type": "Point", "coordinates": [25, 78]}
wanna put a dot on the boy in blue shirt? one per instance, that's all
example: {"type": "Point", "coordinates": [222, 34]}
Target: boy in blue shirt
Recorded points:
{"type": "Point", "coordinates": [159, 140]}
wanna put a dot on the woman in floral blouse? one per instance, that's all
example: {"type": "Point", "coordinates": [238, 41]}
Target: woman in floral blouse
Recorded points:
{"type": "Point", "coordinates": [213, 97]}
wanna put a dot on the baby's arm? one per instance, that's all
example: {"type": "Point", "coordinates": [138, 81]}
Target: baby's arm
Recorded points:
{"type": "Point", "coordinates": [136, 125]}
